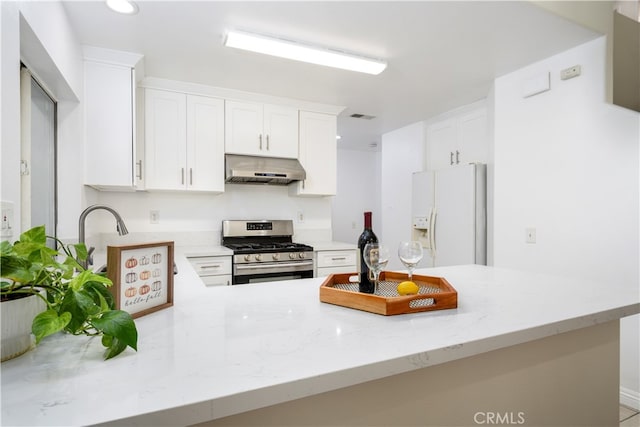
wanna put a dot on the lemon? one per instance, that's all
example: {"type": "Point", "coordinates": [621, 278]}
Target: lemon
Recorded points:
{"type": "Point", "coordinates": [407, 288]}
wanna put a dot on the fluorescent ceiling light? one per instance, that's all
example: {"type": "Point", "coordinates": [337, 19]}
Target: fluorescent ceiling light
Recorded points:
{"type": "Point", "coordinates": [303, 52]}
{"type": "Point", "coordinates": [127, 7]}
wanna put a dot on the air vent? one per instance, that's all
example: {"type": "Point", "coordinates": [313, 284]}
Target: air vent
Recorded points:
{"type": "Point", "coordinates": [362, 116]}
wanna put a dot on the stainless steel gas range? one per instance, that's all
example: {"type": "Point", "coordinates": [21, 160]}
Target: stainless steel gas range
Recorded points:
{"type": "Point", "coordinates": [263, 250]}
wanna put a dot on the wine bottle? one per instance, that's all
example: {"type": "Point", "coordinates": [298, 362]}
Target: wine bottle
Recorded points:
{"type": "Point", "coordinates": [367, 236]}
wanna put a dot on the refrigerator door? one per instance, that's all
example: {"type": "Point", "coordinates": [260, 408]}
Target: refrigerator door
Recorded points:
{"type": "Point", "coordinates": [456, 200]}
{"type": "Point", "coordinates": [422, 199]}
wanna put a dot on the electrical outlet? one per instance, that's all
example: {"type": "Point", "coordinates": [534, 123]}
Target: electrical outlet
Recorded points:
{"type": "Point", "coordinates": [300, 217]}
{"type": "Point", "coordinates": [571, 72]}
{"type": "Point", "coordinates": [154, 217]}
{"type": "Point", "coordinates": [7, 220]}
{"type": "Point", "coordinates": [530, 235]}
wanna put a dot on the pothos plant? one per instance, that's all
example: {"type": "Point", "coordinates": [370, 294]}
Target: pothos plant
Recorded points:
{"type": "Point", "coordinates": [77, 300]}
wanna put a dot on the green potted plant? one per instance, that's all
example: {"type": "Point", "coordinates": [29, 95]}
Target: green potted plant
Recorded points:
{"type": "Point", "coordinates": [75, 300]}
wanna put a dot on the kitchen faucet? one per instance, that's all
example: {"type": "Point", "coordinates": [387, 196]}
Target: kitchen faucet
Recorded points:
{"type": "Point", "coordinates": [122, 229]}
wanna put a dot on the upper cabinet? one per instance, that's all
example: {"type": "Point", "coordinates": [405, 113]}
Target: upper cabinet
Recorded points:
{"type": "Point", "coordinates": [318, 155]}
{"type": "Point", "coordinates": [111, 153]}
{"type": "Point", "coordinates": [184, 142]}
{"type": "Point", "coordinates": [261, 129]}
{"type": "Point", "coordinates": [457, 137]}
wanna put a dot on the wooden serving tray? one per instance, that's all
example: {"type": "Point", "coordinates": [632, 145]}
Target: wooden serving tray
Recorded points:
{"type": "Point", "coordinates": [435, 294]}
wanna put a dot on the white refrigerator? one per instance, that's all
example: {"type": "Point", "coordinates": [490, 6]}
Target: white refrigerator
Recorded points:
{"type": "Point", "coordinates": [449, 215]}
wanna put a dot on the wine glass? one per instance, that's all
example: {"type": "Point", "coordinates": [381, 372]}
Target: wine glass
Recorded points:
{"type": "Point", "coordinates": [410, 254]}
{"type": "Point", "coordinates": [376, 256]}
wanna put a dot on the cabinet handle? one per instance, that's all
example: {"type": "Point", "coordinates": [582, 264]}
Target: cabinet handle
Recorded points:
{"type": "Point", "coordinates": [342, 258]}
{"type": "Point", "coordinates": [457, 157]}
{"type": "Point", "coordinates": [190, 176]}
{"type": "Point", "coordinates": [260, 137]}
{"type": "Point", "coordinates": [267, 142]}
{"type": "Point", "coordinates": [182, 176]}
{"type": "Point", "coordinates": [451, 157]}
{"type": "Point", "coordinates": [139, 164]}
{"type": "Point", "coordinates": [202, 267]}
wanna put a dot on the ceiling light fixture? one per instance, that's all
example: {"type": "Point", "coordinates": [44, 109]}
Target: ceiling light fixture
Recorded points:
{"type": "Point", "coordinates": [303, 52]}
{"type": "Point", "coordinates": [127, 7]}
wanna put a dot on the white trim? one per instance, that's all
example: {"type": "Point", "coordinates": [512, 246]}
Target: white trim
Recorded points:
{"type": "Point", "coordinates": [630, 398]}
{"type": "Point", "coordinates": [236, 95]}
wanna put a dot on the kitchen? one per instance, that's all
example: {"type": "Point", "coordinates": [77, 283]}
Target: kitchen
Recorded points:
{"type": "Point", "coordinates": [513, 209]}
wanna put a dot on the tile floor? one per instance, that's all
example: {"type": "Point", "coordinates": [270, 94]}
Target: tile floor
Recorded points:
{"type": "Point", "coordinates": [629, 417]}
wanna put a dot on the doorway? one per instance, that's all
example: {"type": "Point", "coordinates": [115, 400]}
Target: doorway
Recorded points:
{"type": "Point", "coordinates": [38, 156]}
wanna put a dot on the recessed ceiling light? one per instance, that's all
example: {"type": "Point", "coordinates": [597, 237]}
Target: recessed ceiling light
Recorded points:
{"type": "Point", "coordinates": [303, 52]}
{"type": "Point", "coordinates": [127, 7]}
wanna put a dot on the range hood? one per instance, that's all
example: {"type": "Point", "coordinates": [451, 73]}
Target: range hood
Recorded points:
{"type": "Point", "coordinates": [266, 170]}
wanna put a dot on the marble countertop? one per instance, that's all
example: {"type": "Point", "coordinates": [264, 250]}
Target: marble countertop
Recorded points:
{"type": "Point", "coordinates": [225, 350]}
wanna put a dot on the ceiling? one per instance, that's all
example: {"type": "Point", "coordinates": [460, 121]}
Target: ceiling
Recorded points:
{"type": "Point", "coordinates": [441, 55]}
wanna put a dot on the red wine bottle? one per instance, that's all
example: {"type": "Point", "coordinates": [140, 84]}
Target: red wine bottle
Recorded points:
{"type": "Point", "coordinates": [367, 236]}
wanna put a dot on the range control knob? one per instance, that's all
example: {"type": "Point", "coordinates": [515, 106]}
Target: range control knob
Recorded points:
{"type": "Point", "coordinates": [259, 257]}
{"type": "Point", "coordinates": [247, 257]}
{"type": "Point", "coordinates": [301, 255]}
{"type": "Point", "coordinates": [275, 257]}
{"type": "Point", "coordinates": [292, 255]}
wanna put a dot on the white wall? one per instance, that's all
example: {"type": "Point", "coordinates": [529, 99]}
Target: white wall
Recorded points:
{"type": "Point", "coordinates": [566, 163]}
{"type": "Point", "coordinates": [358, 192]}
{"type": "Point", "coordinates": [402, 155]}
{"type": "Point", "coordinates": [39, 34]}
{"type": "Point", "coordinates": [196, 218]}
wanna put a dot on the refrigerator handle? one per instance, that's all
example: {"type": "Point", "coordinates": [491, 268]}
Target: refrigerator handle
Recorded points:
{"type": "Point", "coordinates": [432, 234]}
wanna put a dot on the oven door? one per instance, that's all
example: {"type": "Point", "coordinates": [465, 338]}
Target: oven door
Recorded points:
{"type": "Point", "coordinates": [272, 271]}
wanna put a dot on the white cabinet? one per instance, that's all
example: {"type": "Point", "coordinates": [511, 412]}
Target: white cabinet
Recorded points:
{"type": "Point", "coordinates": [184, 142]}
{"type": "Point", "coordinates": [261, 129]}
{"type": "Point", "coordinates": [213, 270]}
{"type": "Point", "coordinates": [333, 262]}
{"type": "Point", "coordinates": [110, 142]}
{"type": "Point", "coordinates": [458, 137]}
{"type": "Point", "coordinates": [318, 155]}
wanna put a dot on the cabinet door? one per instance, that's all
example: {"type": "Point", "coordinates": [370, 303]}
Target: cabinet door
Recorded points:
{"type": "Point", "coordinates": [205, 144]}
{"type": "Point", "coordinates": [243, 128]}
{"type": "Point", "coordinates": [472, 137]}
{"type": "Point", "coordinates": [166, 140]}
{"type": "Point", "coordinates": [441, 143]}
{"type": "Point", "coordinates": [318, 155]}
{"type": "Point", "coordinates": [280, 131]}
{"type": "Point", "coordinates": [109, 137]}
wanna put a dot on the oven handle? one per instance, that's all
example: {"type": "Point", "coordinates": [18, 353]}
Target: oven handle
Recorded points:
{"type": "Point", "coordinates": [275, 264]}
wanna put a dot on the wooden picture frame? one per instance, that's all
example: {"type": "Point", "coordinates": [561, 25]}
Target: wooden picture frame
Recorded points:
{"type": "Point", "coordinates": [142, 276]}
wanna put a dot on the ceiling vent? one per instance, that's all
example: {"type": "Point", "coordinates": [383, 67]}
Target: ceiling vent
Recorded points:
{"type": "Point", "coordinates": [362, 116]}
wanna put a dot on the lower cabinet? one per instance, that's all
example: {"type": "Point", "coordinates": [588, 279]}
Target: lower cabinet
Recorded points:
{"type": "Point", "coordinates": [213, 270]}
{"type": "Point", "coordinates": [333, 262]}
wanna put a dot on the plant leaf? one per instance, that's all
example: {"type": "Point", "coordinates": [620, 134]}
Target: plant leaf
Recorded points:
{"type": "Point", "coordinates": [80, 306]}
{"type": "Point", "coordinates": [114, 348]}
{"type": "Point", "coordinates": [119, 325]}
{"type": "Point", "coordinates": [48, 322]}
{"type": "Point", "coordinates": [16, 268]}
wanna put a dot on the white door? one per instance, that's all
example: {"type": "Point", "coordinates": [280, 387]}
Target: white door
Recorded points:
{"type": "Point", "coordinates": [455, 222]}
{"type": "Point", "coordinates": [243, 128]}
{"type": "Point", "coordinates": [422, 202]}
{"type": "Point", "coordinates": [165, 140]}
{"type": "Point", "coordinates": [280, 131]}
{"type": "Point", "coordinates": [205, 143]}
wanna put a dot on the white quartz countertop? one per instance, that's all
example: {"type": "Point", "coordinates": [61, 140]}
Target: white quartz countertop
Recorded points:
{"type": "Point", "coordinates": [225, 350]}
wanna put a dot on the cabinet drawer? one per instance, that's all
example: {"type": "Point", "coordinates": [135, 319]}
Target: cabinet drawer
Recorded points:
{"type": "Point", "coordinates": [325, 271]}
{"type": "Point", "coordinates": [336, 258]}
{"type": "Point", "coordinates": [223, 280]}
{"type": "Point", "coordinates": [211, 266]}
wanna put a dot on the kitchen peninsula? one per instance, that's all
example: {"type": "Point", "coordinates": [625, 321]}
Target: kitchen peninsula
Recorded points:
{"type": "Point", "coordinates": [528, 348]}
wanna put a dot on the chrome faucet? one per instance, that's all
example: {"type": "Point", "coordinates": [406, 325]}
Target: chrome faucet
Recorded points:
{"type": "Point", "coordinates": [122, 229]}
